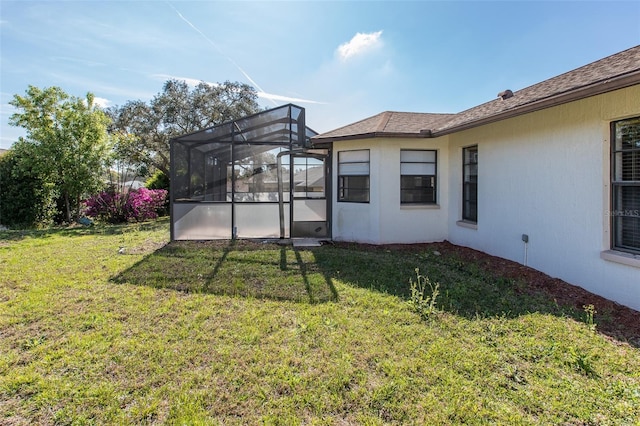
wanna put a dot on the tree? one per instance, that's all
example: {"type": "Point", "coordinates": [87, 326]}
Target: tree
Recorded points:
{"type": "Point", "coordinates": [124, 170]}
{"type": "Point", "coordinates": [178, 110]}
{"type": "Point", "coordinates": [66, 143]}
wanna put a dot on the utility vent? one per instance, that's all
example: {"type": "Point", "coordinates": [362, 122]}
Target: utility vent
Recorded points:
{"type": "Point", "coordinates": [505, 95]}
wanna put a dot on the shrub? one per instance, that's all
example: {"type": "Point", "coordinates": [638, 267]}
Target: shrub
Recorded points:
{"type": "Point", "coordinates": [134, 206]}
{"type": "Point", "coordinates": [26, 200]}
{"type": "Point", "coordinates": [157, 181]}
{"type": "Point", "coordinates": [145, 203]}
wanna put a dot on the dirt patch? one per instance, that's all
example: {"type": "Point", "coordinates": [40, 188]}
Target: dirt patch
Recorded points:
{"type": "Point", "coordinates": [613, 319]}
{"type": "Point", "coordinates": [148, 246]}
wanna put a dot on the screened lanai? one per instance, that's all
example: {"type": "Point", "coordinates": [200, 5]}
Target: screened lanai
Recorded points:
{"type": "Point", "coordinates": [255, 177]}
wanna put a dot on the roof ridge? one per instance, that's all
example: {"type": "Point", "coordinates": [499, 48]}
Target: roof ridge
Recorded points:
{"type": "Point", "coordinates": [384, 120]}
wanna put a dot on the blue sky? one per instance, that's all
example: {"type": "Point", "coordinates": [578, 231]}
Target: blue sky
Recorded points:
{"type": "Point", "coordinates": [342, 61]}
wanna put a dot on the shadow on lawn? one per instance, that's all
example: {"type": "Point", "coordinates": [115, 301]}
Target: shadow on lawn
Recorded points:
{"type": "Point", "coordinates": [475, 285]}
{"type": "Point", "coordinates": [76, 231]}
{"type": "Point", "coordinates": [240, 268]}
{"type": "Point", "coordinates": [81, 230]}
{"type": "Point", "coordinates": [469, 286]}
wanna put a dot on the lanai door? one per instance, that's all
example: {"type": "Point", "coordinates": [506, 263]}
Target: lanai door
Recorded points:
{"type": "Point", "coordinates": [309, 210]}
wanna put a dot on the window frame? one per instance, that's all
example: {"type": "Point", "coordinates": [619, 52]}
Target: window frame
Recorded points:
{"type": "Point", "coordinates": [466, 199]}
{"type": "Point", "coordinates": [304, 166]}
{"type": "Point", "coordinates": [618, 214]}
{"type": "Point", "coordinates": [433, 177]}
{"type": "Point", "coordinates": [344, 188]}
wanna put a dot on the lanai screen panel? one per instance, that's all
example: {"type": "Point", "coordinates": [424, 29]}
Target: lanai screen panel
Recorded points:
{"type": "Point", "coordinates": [224, 180]}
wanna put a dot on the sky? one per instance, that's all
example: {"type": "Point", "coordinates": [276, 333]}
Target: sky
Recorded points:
{"type": "Point", "coordinates": [341, 61]}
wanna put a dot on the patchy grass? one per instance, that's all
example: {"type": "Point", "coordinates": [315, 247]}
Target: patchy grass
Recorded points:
{"type": "Point", "coordinates": [245, 333]}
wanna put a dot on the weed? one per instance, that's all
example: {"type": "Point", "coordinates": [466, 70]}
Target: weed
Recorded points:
{"type": "Point", "coordinates": [583, 363]}
{"type": "Point", "coordinates": [33, 342]}
{"type": "Point", "coordinates": [590, 310]}
{"type": "Point", "coordinates": [423, 304]}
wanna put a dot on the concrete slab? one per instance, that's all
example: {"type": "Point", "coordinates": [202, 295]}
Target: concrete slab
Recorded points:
{"type": "Point", "coordinates": [306, 242]}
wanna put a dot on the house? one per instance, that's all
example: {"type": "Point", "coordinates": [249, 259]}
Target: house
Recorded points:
{"type": "Point", "coordinates": [548, 176]}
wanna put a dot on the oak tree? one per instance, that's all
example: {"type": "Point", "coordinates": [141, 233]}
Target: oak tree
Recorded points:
{"type": "Point", "coordinates": [178, 110]}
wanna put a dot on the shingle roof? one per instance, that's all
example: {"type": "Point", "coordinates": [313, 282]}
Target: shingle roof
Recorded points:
{"type": "Point", "coordinates": [605, 75]}
{"type": "Point", "coordinates": [389, 123]}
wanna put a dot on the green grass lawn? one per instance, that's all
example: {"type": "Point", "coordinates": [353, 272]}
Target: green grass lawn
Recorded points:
{"type": "Point", "coordinates": [250, 333]}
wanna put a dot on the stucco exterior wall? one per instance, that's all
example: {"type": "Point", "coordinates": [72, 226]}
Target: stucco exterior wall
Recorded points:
{"type": "Point", "coordinates": [546, 174]}
{"type": "Point", "coordinates": [384, 220]}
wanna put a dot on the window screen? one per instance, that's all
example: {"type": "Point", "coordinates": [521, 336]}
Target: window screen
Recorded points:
{"type": "Point", "coordinates": [418, 177]}
{"type": "Point", "coordinates": [625, 185]}
{"type": "Point", "coordinates": [470, 183]}
{"type": "Point", "coordinates": [353, 176]}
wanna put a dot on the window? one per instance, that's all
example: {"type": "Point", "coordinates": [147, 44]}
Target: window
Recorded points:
{"type": "Point", "coordinates": [417, 177]}
{"type": "Point", "coordinates": [353, 176]}
{"type": "Point", "coordinates": [625, 185]}
{"type": "Point", "coordinates": [308, 177]}
{"type": "Point", "coordinates": [470, 183]}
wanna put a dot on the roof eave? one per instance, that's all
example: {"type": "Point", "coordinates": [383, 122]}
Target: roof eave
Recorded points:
{"type": "Point", "coordinates": [598, 88]}
{"type": "Point", "coordinates": [371, 135]}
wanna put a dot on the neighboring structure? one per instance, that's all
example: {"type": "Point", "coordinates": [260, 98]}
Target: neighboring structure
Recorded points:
{"type": "Point", "coordinates": [548, 176]}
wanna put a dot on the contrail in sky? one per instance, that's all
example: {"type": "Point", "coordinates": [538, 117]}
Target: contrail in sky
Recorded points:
{"type": "Point", "coordinates": [220, 51]}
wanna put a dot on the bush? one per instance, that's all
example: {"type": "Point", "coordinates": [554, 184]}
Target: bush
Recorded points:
{"type": "Point", "coordinates": [26, 200]}
{"type": "Point", "coordinates": [158, 181]}
{"type": "Point", "coordinates": [134, 206]}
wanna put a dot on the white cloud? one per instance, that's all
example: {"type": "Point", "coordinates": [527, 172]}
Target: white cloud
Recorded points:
{"type": "Point", "coordinates": [272, 97]}
{"type": "Point", "coordinates": [101, 102]}
{"type": "Point", "coordinates": [97, 101]}
{"type": "Point", "coordinates": [359, 44]}
{"type": "Point", "coordinates": [6, 109]}
{"type": "Point", "coordinates": [261, 94]}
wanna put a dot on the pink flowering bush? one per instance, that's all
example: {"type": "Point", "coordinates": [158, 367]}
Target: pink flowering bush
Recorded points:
{"type": "Point", "coordinates": [134, 206]}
